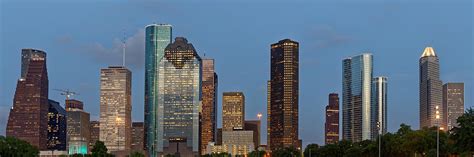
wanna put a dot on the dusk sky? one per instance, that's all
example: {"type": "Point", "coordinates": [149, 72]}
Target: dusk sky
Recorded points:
{"type": "Point", "coordinates": [80, 38]}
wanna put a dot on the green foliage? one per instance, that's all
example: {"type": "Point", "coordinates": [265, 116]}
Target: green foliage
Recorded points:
{"type": "Point", "coordinates": [100, 150]}
{"type": "Point", "coordinates": [217, 155]}
{"type": "Point", "coordinates": [136, 154]}
{"type": "Point", "coordinates": [286, 152]}
{"type": "Point", "coordinates": [10, 146]}
{"type": "Point", "coordinates": [257, 153]}
{"type": "Point", "coordinates": [463, 135]}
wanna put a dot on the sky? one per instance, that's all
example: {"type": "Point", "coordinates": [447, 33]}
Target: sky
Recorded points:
{"type": "Point", "coordinates": [82, 37]}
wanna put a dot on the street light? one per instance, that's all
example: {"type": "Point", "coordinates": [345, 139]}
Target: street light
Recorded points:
{"type": "Point", "coordinates": [259, 116]}
{"type": "Point", "coordinates": [437, 131]}
{"type": "Point", "coordinates": [380, 141]}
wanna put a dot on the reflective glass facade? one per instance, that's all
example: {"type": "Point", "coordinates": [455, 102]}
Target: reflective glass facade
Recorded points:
{"type": "Point", "coordinates": [379, 106]}
{"type": "Point", "coordinates": [56, 126]}
{"type": "Point", "coordinates": [157, 37]}
{"type": "Point", "coordinates": [179, 99]}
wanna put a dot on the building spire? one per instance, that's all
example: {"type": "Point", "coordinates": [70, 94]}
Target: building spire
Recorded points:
{"type": "Point", "coordinates": [429, 51]}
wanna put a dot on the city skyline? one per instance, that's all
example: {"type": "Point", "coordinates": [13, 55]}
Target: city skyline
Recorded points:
{"type": "Point", "coordinates": [312, 61]}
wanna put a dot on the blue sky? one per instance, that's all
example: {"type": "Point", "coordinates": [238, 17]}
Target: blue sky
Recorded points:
{"type": "Point", "coordinates": [82, 37]}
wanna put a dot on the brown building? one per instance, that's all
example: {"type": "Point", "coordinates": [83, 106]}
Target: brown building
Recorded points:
{"type": "Point", "coordinates": [137, 136]}
{"type": "Point", "coordinates": [209, 104]}
{"type": "Point", "coordinates": [283, 103]}
{"type": "Point", "coordinates": [28, 119]}
{"type": "Point", "coordinates": [453, 103]}
{"type": "Point", "coordinates": [219, 136]}
{"type": "Point", "coordinates": [254, 125]}
{"type": "Point", "coordinates": [78, 128]}
{"type": "Point", "coordinates": [331, 131]}
{"type": "Point", "coordinates": [233, 111]}
{"type": "Point", "coordinates": [94, 132]}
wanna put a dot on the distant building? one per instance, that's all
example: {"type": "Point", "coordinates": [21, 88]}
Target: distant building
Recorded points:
{"type": "Point", "coordinates": [209, 103]}
{"type": "Point", "coordinates": [28, 118]}
{"type": "Point", "coordinates": [233, 111]}
{"type": "Point", "coordinates": [56, 127]}
{"type": "Point", "coordinates": [379, 107]}
{"type": "Point", "coordinates": [284, 88]}
{"type": "Point", "coordinates": [254, 126]}
{"type": "Point", "coordinates": [116, 108]}
{"type": "Point", "coordinates": [453, 103]}
{"type": "Point", "coordinates": [137, 136]}
{"type": "Point", "coordinates": [356, 98]}
{"type": "Point", "coordinates": [430, 90]}
{"type": "Point", "coordinates": [219, 136]}
{"type": "Point", "coordinates": [78, 128]}
{"type": "Point", "coordinates": [331, 130]}
{"type": "Point", "coordinates": [238, 142]}
{"type": "Point", "coordinates": [94, 133]}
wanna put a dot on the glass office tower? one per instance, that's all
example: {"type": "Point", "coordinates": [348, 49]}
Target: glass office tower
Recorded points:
{"type": "Point", "coordinates": [157, 37]}
{"type": "Point", "coordinates": [357, 81]}
{"type": "Point", "coordinates": [379, 106]}
{"type": "Point", "coordinates": [179, 98]}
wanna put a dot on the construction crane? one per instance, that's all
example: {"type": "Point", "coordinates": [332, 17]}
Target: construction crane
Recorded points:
{"type": "Point", "coordinates": [66, 92]}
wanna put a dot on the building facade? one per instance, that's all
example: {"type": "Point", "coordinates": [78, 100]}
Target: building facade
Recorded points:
{"type": "Point", "coordinates": [453, 103]}
{"type": "Point", "coordinates": [238, 142]}
{"type": "Point", "coordinates": [430, 90]}
{"type": "Point", "coordinates": [157, 37]}
{"type": "Point", "coordinates": [284, 90]}
{"type": "Point", "coordinates": [356, 98]}
{"type": "Point", "coordinates": [78, 128]}
{"type": "Point", "coordinates": [233, 111]}
{"type": "Point", "coordinates": [379, 106]}
{"type": "Point", "coordinates": [209, 104]}
{"type": "Point", "coordinates": [115, 108]}
{"type": "Point", "coordinates": [254, 126]}
{"type": "Point", "coordinates": [28, 118]}
{"type": "Point", "coordinates": [137, 136]}
{"type": "Point", "coordinates": [179, 99]}
{"type": "Point", "coordinates": [94, 133]}
{"type": "Point", "coordinates": [56, 127]}
{"type": "Point", "coordinates": [331, 129]}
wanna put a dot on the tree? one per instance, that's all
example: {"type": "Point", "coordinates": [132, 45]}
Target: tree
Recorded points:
{"type": "Point", "coordinates": [463, 135]}
{"type": "Point", "coordinates": [136, 154]}
{"type": "Point", "coordinates": [286, 152]}
{"type": "Point", "coordinates": [312, 149]}
{"type": "Point", "coordinates": [100, 150]}
{"type": "Point", "coordinates": [257, 153]}
{"type": "Point", "coordinates": [10, 146]}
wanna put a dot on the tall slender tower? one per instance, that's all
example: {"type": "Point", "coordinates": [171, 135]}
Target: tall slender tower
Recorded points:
{"type": "Point", "coordinates": [157, 37]}
{"type": "Point", "coordinates": [179, 99]}
{"type": "Point", "coordinates": [431, 113]}
{"type": "Point", "coordinates": [356, 97]}
{"type": "Point", "coordinates": [209, 104]}
{"type": "Point", "coordinates": [331, 131]}
{"type": "Point", "coordinates": [28, 119]}
{"type": "Point", "coordinates": [453, 103]}
{"type": "Point", "coordinates": [283, 105]}
{"type": "Point", "coordinates": [379, 106]}
{"type": "Point", "coordinates": [116, 108]}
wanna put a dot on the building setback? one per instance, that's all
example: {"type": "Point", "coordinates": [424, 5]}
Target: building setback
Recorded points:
{"type": "Point", "coordinates": [209, 104]}
{"type": "Point", "coordinates": [331, 131]}
{"type": "Point", "coordinates": [28, 118]}
{"type": "Point", "coordinates": [56, 127]}
{"type": "Point", "coordinates": [284, 89]}
{"type": "Point", "coordinates": [233, 111]}
{"type": "Point", "coordinates": [356, 98]}
{"type": "Point", "coordinates": [430, 90]}
{"type": "Point", "coordinates": [157, 37]}
{"type": "Point", "coordinates": [379, 107]}
{"type": "Point", "coordinates": [137, 136]}
{"type": "Point", "coordinates": [115, 109]}
{"type": "Point", "coordinates": [453, 103]}
{"type": "Point", "coordinates": [78, 128]}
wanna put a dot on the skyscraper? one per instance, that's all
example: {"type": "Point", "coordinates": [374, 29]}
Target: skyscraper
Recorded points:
{"type": "Point", "coordinates": [430, 90]}
{"type": "Point", "coordinates": [453, 103]}
{"type": "Point", "coordinates": [209, 104]}
{"type": "Point", "coordinates": [94, 133]}
{"type": "Point", "coordinates": [331, 131]}
{"type": "Point", "coordinates": [78, 127]}
{"type": "Point", "coordinates": [284, 89]}
{"type": "Point", "coordinates": [115, 108]}
{"type": "Point", "coordinates": [28, 118]}
{"type": "Point", "coordinates": [179, 98]}
{"type": "Point", "coordinates": [137, 136]}
{"type": "Point", "coordinates": [157, 37]}
{"type": "Point", "coordinates": [56, 127]}
{"type": "Point", "coordinates": [233, 111]}
{"type": "Point", "coordinates": [379, 106]}
{"type": "Point", "coordinates": [356, 98]}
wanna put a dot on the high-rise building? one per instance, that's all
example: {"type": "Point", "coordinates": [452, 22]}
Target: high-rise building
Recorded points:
{"type": "Point", "coordinates": [56, 127]}
{"type": "Point", "coordinates": [115, 109]}
{"type": "Point", "coordinates": [179, 99]}
{"type": "Point", "coordinates": [379, 107]}
{"type": "Point", "coordinates": [331, 131]}
{"type": "Point", "coordinates": [78, 128]}
{"type": "Point", "coordinates": [254, 125]}
{"type": "Point", "coordinates": [356, 98]}
{"type": "Point", "coordinates": [239, 142]}
{"type": "Point", "coordinates": [453, 103]}
{"type": "Point", "coordinates": [137, 136]}
{"type": "Point", "coordinates": [157, 37]}
{"type": "Point", "coordinates": [94, 133]}
{"type": "Point", "coordinates": [431, 113]}
{"type": "Point", "coordinates": [284, 89]}
{"type": "Point", "coordinates": [209, 104]}
{"type": "Point", "coordinates": [233, 111]}
{"type": "Point", "coordinates": [28, 118]}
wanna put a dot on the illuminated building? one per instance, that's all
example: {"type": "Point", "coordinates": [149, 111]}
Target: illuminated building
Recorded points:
{"type": "Point", "coordinates": [430, 90]}
{"type": "Point", "coordinates": [453, 103]}
{"type": "Point", "coordinates": [78, 129]}
{"type": "Point", "coordinates": [209, 103]}
{"type": "Point", "coordinates": [137, 136]}
{"type": "Point", "coordinates": [331, 129]}
{"type": "Point", "coordinates": [233, 111]}
{"type": "Point", "coordinates": [254, 126]}
{"type": "Point", "coordinates": [56, 127]}
{"type": "Point", "coordinates": [94, 133]}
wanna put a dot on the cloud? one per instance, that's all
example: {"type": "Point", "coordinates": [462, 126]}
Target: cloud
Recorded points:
{"type": "Point", "coordinates": [324, 36]}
